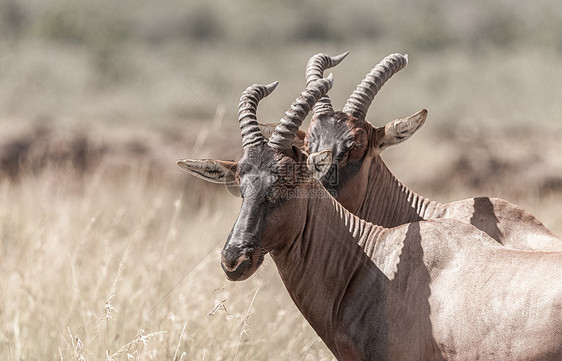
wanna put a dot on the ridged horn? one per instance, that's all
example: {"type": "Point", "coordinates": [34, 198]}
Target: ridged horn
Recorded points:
{"type": "Point", "coordinates": [282, 137]}
{"type": "Point", "coordinates": [314, 71]}
{"type": "Point", "coordinates": [247, 118]}
{"type": "Point", "coordinates": [359, 102]}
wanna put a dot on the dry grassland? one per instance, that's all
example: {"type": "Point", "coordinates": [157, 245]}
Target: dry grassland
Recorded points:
{"type": "Point", "coordinates": [109, 252]}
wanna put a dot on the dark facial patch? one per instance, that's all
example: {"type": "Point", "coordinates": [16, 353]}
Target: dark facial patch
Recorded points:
{"type": "Point", "coordinates": [261, 171]}
{"type": "Point", "coordinates": [346, 137]}
{"type": "Point", "coordinates": [265, 176]}
{"type": "Point", "coordinates": [257, 172]}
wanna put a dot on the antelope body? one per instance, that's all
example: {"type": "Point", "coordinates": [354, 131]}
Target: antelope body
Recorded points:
{"type": "Point", "coordinates": [433, 290]}
{"type": "Point", "coordinates": [364, 184]}
{"type": "Point", "coordinates": [436, 290]}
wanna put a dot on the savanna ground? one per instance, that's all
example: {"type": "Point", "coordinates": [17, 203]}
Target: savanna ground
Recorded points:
{"type": "Point", "coordinates": [108, 251]}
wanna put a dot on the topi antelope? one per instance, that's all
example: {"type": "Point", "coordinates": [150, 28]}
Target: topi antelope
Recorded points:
{"type": "Point", "coordinates": [434, 290]}
{"type": "Point", "coordinates": [364, 185]}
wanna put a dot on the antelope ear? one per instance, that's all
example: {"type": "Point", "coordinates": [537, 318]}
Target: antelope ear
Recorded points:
{"type": "Point", "coordinates": [214, 171]}
{"type": "Point", "coordinates": [267, 130]}
{"type": "Point", "coordinates": [399, 130]}
{"type": "Point", "coordinates": [319, 163]}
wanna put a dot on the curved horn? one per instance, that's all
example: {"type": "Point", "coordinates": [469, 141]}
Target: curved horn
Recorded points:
{"type": "Point", "coordinates": [314, 71]}
{"type": "Point", "coordinates": [247, 118]}
{"type": "Point", "coordinates": [361, 99]}
{"type": "Point", "coordinates": [282, 137]}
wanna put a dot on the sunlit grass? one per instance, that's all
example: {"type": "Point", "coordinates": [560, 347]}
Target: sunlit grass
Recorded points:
{"type": "Point", "coordinates": [121, 262]}
{"type": "Point", "coordinates": [122, 269]}
{"type": "Point", "coordinates": [126, 266]}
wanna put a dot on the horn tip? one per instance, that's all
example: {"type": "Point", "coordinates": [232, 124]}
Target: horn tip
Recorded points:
{"type": "Point", "coordinates": [272, 86]}
{"type": "Point", "coordinates": [338, 58]}
{"type": "Point", "coordinates": [406, 57]}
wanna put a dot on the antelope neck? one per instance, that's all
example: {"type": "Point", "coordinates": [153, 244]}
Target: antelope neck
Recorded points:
{"type": "Point", "coordinates": [389, 203]}
{"type": "Point", "coordinates": [327, 264]}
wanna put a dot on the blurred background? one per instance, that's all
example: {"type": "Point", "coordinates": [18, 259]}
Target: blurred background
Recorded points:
{"type": "Point", "coordinates": [108, 250]}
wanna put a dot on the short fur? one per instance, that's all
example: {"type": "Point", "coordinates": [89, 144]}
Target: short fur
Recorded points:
{"type": "Point", "coordinates": [364, 185]}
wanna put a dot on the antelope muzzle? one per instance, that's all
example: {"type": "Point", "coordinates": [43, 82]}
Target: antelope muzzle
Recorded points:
{"type": "Point", "coordinates": [240, 263]}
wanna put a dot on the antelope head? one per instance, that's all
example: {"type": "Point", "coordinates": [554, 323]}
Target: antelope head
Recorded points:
{"type": "Point", "coordinates": [271, 175]}
{"type": "Point", "coordinates": [354, 141]}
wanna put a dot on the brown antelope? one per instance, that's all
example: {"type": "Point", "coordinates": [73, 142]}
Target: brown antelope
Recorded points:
{"type": "Point", "coordinates": [365, 186]}
{"type": "Point", "coordinates": [433, 290]}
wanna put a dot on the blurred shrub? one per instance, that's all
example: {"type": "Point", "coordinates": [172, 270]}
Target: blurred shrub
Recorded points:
{"type": "Point", "coordinates": [103, 30]}
{"type": "Point", "coordinates": [427, 32]}
{"type": "Point", "coordinates": [335, 22]}
{"type": "Point", "coordinates": [202, 24]}
{"type": "Point", "coordinates": [501, 29]}
{"type": "Point", "coordinates": [106, 47]}
{"type": "Point", "coordinates": [315, 27]}
{"type": "Point", "coordinates": [425, 25]}
{"type": "Point", "coordinates": [63, 23]}
{"type": "Point", "coordinates": [42, 148]}
{"type": "Point", "coordinates": [196, 23]}
{"type": "Point", "coordinates": [13, 19]}
{"type": "Point", "coordinates": [108, 32]}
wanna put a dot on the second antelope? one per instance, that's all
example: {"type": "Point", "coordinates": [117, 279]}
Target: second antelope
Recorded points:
{"type": "Point", "coordinates": [364, 184]}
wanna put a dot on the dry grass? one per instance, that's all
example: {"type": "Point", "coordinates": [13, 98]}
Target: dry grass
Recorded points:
{"type": "Point", "coordinates": [129, 269]}
{"type": "Point", "coordinates": [121, 262]}
{"type": "Point", "coordinates": [108, 252]}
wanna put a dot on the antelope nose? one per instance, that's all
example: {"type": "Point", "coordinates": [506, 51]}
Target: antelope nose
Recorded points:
{"type": "Point", "coordinates": [234, 264]}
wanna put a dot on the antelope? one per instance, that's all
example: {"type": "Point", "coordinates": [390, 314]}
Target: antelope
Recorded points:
{"type": "Point", "coordinates": [430, 290]}
{"type": "Point", "coordinates": [363, 183]}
